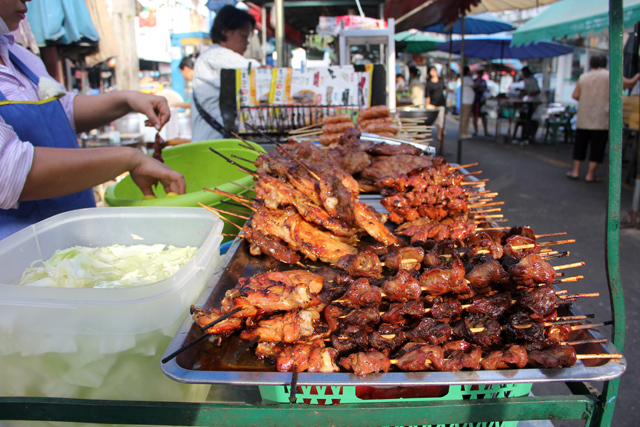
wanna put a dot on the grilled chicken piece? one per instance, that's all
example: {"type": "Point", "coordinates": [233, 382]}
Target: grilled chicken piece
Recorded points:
{"type": "Point", "coordinates": [485, 275]}
{"type": "Point", "coordinates": [439, 280]}
{"type": "Point", "coordinates": [289, 226]}
{"type": "Point", "coordinates": [370, 221]}
{"type": "Point", "coordinates": [365, 264]}
{"type": "Point", "coordinates": [365, 363]}
{"type": "Point", "coordinates": [409, 258]}
{"type": "Point", "coordinates": [421, 357]}
{"type": "Point", "coordinates": [540, 301]}
{"type": "Point", "coordinates": [517, 241]}
{"type": "Point", "coordinates": [532, 270]}
{"type": "Point", "coordinates": [403, 287]}
{"type": "Point", "coordinates": [402, 313]}
{"type": "Point", "coordinates": [514, 356]}
{"type": "Point", "coordinates": [277, 193]}
{"type": "Point", "coordinates": [362, 294]}
{"type": "Point", "coordinates": [314, 357]}
{"type": "Point", "coordinates": [446, 308]}
{"type": "Point", "coordinates": [463, 359]}
{"type": "Point", "coordinates": [273, 291]}
{"type": "Point", "coordinates": [556, 356]}
{"type": "Point", "coordinates": [223, 328]}
{"type": "Point", "coordinates": [272, 246]}
{"type": "Point", "coordinates": [429, 331]}
{"type": "Point", "coordinates": [289, 327]}
{"type": "Point", "coordinates": [493, 306]}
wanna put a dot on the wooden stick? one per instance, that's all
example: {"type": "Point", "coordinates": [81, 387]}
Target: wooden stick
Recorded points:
{"type": "Point", "coordinates": [589, 341]}
{"type": "Point", "coordinates": [558, 242]}
{"type": "Point", "coordinates": [240, 185]}
{"type": "Point", "coordinates": [588, 326]}
{"type": "Point", "coordinates": [537, 236]}
{"type": "Point", "coordinates": [585, 295]}
{"type": "Point", "coordinates": [463, 166]}
{"type": "Point", "coordinates": [490, 216]}
{"type": "Point", "coordinates": [566, 266]}
{"type": "Point", "coordinates": [243, 159]}
{"type": "Point", "coordinates": [185, 347]}
{"type": "Point", "coordinates": [231, 213]}
{"type": "Point", "coordinates": [488, 210]}
{"type": "Point", "coordinates": [232, 235]}
{"type": "Point", "coordinates": [220, 216]}
{"type": "Point", "coordinates": [232, 196]}
{"type": "Point", "coordinates": [247, 170]}
{"type": "Point", "coordinates": [246, 142]}
{"type": "Point", "coordinates": [569, 279]}
{"type": "Point", "coordinates": [473, 173]}
{"type": "Point", "coordinates": [302, 129]}
{"type": "Point", "coordinates": [313, 174]}
{"type": "Point", "coordinates": [493, 228]}
{"type": "Point", "coordinates": [482, 205]}
{"type": "Point", "coordinates": [599, 356]}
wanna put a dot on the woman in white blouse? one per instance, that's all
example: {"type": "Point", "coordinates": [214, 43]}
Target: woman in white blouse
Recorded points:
{"type": "Point", "coordinates": [230, 33]}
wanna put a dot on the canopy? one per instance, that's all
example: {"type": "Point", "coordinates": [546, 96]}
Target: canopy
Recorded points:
{"type": "Point", "coordinates": [499, 5]}
{"type": "Point", "coordinates": [61, 22]}
{"type": "Point", "coordinates": [473, 24]}
{"type": "Point", "coordinates": [570, 17]}
{"type": "Point", "coordinates": [499, 46]}
{"type": "Point", "coordinates": [414, 41]}
{"type": "Point", "coordinates": [421, 13]}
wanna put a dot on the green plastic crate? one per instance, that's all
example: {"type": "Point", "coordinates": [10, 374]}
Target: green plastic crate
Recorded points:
{"type": "Point", "coordinates": [333, 395]}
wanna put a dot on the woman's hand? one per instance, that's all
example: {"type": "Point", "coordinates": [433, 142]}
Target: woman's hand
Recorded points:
{"type": "Point", "coordinates": [147, 172]}
{"type": "Point", "coordinates": [154, 107]}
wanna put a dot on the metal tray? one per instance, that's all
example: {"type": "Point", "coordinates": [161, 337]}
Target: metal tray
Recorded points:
{"type": "Point", "coordinates": [191, 365]}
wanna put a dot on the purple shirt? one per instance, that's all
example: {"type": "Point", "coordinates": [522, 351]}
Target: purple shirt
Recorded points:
{"type": "Point", "coordinates": [16, 156]}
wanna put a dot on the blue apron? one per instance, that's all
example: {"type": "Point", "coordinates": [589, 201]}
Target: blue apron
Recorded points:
{"type": "Point", "coordinates": [44, 124]}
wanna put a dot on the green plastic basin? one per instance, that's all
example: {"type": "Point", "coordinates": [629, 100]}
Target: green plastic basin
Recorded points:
{"type": "Point", "coordinates": [201, 169]}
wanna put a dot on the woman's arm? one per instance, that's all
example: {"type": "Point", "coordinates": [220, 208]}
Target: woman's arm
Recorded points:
{"type": "Point", "coordinates": [576, 92]}
{"type": "Point", "coordinates": [630, 83]}
{"type": "Point", "coordinates": [60, 171]}
{"type": "Point", "coordinates": [92, 111]}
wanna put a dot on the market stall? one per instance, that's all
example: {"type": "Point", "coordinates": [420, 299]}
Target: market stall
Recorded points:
{"type": "Point", "coordinates": [584, 402]}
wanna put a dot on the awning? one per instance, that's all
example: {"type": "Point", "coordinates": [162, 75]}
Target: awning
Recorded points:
{"type": "Point", "coordinates": [61, 22]}
{"type": "Point", "coordinates": [572, 17]}
{"type": "Point", "coordinates": [496, 46]}
{"type": "Point", "coordinates": [421, 13]}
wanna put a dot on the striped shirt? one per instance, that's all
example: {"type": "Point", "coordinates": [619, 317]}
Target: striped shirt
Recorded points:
{"type": "Point", "coordinates": [16, 156]}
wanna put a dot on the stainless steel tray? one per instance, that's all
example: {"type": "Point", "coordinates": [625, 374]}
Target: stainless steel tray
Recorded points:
{"type": "Point", "coordinates": [189, 366]}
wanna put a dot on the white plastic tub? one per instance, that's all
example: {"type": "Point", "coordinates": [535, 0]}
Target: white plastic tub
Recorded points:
{"type": "Point", "coordinates": [100, 343]}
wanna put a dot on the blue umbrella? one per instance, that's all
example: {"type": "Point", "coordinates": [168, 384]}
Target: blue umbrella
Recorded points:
{"type": "Point", "coordinates": [499, 46]}
{"type": "Point", "coordinates": [482, 23]}
{"type": "Point", "coordinates": [216, 5]}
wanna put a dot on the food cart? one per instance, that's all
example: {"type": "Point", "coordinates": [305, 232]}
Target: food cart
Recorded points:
{"type": "Point", "coordinates": [583, 403]}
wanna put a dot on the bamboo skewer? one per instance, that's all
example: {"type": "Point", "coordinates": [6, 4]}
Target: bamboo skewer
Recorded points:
{"type": "Point", "coordinates": [220, 216]}
{"type": "Point", "coordinates": [240, 185]}
{"type": "Point", "coordinates": [247, 170]}
{"type": "Point", "coordinates": [566, 266]}
{"type": "Point", "coordinates": [313, 174]}
{"type": "Point", "coordinates": [578, 356]}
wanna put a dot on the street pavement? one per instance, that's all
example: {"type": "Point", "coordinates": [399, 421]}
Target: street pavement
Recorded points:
{"type": "Point", "coordinates": [531, 180]}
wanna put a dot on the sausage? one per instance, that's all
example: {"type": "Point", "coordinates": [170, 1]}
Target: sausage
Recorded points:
{"type": "Point", "coordinates": [381, 127]}
{"type": "Point", "coordinates": [374, 112]}
{"type": "Point", "coordinates": [337, 118]}
{"type": "Point", "coordinates": [329, 138]}
{"type": "Point", "coordinates": [337, 127]}
{"type": "Point", "coordinates": [366, 122]}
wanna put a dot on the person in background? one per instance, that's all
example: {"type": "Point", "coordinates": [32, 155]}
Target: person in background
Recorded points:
{"type": "Point", "coordinates": [531, 90]}
{"type": "Point", "coordinates": [186, 66]}
{"type": "Point", "coordinates": [230, 35]}
{"type": "Point", "coordinates": [186, 69]}
{"type": "Point", "coordinates": [416, 90]}
{"type": "Point", "coordinates": [401, 85]}
{"type": "Point", "coordinates": [481, 91]}
{"type": "Point", "coordinates": [435, 98]}
{"type": "Point", "coordinates": [468, 95]}
{"type": "Point", "coordinates": [592, 94]}
{"type": "Point", "coordinates": [42, 169]}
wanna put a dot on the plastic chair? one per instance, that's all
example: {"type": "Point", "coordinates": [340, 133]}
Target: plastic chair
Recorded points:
{"type": "Point", "coordinates": [553, 125]}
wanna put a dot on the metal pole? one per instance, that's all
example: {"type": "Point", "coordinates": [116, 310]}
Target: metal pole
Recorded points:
{"type": "Point", "coordinates": [278, 6]}
{"type": "Point", "coordinates": [612, 254]}
{"type": "Point", "coordinates": [263, 18]}
{"type": "Point", "coordinates": [459, 156]}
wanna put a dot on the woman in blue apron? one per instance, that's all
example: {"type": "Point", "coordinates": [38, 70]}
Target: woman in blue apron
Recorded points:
{"type": "Point", "coordinates": [61, 176]}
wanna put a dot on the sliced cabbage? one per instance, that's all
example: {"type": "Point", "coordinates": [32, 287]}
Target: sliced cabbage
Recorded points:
{"type": "Point", "coordinates": [107, 267]}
